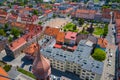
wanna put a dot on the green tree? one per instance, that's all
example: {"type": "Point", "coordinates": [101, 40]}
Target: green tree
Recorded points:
{"type": "Point", "coordinates": [105, 30]}
{"type": "Point", "coordinates": [30, 5]}
{"type": "Point", "coordinates": [15, 32]}
{"type": "Point", "coordinates": [35, 12]}
{"type": "Point", "coordinates": [81, 21]}
{"type": "Point", "coordinates": [2, 32]}
{"type": "Point", "coordinates": [10, 39]}
{"type": "Point", "coordinates": [54, 16]}
{"type": "Point", "coordinates": [40, 23]}
{"type": "Point", "coordinates": [6, 25]}
{"type": "Point", "coordinates": [99, 54]}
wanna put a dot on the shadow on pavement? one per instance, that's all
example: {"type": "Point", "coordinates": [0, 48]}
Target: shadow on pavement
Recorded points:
{"type": "Point", "coordinates": [70, 75]}
{"type": "Point", "coordinates": [26, 61]}
{"type": "Point", "coordinates": [7, 58]}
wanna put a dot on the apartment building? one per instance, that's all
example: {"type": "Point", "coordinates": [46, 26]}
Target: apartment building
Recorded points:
{"type": "Point", "coordinates": [78, 62]}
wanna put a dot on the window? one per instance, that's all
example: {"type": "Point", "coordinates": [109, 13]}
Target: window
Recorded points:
{"type": "Point", "coordinates": [83, 77]}
{"type": "Point", "coordinates": [93, 74]}
{"type": "Point", "coordinates": [83, 74]}
{"type": "Point", "coordinates": [84, 71]}
{"type": "Point", "coordinates": [88, 74]}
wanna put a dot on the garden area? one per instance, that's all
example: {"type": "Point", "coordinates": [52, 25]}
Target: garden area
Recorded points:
{"type": "Point", "coordinates": [5, 66]}
{"type": "Point", "coordinates": [99, 54]}
{"type": "Point", "coordinates": [70, 27]}
{"type": "Point", "coordinates": [26, 73]}
{"type": "Point", "coordinates": [98, 30]}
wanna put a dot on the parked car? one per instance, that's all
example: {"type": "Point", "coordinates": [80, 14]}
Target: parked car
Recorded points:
{"type": "Point", "coordinates": [111, 54]}
{"type": "Point", "coordinates": [109, 62]}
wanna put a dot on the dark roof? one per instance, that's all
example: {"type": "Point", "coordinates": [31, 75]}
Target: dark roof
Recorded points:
{"type": "Point", "coordinates": [93, 39]}
{"type": "Point", "coordinates": [80, 37]}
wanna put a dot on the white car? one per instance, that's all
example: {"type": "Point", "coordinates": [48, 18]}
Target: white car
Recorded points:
{"type": "Point", "coordinates": [113, 29]}
{"type": "Point", "coordinates": [109, 62]}
{"type": "Point", "coordinates": [111, 54]}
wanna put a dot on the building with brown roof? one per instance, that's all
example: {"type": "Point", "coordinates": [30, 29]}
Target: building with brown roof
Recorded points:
{"type": "Point", "coordinates": [60, 38]}
{"type": "Point", "coordinates": [106, 16]}
{"type": "Point", "coordinates": [3, 74]}
{"type": "Point", "coordinates": [18, 25]}
{"type": "Point", "coordinates": [102, 42]}
{"type": "Point", "coordinates": [31, 50]}
{"type": "Point", "coordinates": [83, 13]}
{"type": "Point", "coordinates": [15, 48]}
{"type": "Point", "coordinates": [51, 31]}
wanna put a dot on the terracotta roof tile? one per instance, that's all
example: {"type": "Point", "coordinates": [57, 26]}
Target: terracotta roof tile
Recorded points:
{"type": "Point", "coordinates": [19, 25]}
{"type": "Point", "coordinates": [52, 31]}
{"type": "Point", "coordinates": [17, 44]}
{"type": "Point", "coordinates": [60, 37]}
{"type": "Point", "coordinates": [102, 42]}
{"type": "Point", "coordinates": [31, 50]}
{"type": "Point", "coordinates": [2, 72]}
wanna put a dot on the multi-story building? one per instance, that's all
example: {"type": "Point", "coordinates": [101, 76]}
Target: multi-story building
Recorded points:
{"type": "Point", "coordinates": [83, 13]}
{"type": "Point", "coordinates": [78, 62]}
{"type": "Point", "coordinates": [70, 38]}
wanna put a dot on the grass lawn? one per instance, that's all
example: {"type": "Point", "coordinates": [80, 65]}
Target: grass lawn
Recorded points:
{"type": "Point", "coordinates": [70, 27]}
{"type": "Point", "coordinates": [96, 1]}
{"type": "Point", "coordinates": [98, 31]}
{"type": "Point", "coordinates": [26, 73]}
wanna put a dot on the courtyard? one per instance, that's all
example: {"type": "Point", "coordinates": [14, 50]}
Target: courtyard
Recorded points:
{"type": "Point", "coordinates": [57, 22]}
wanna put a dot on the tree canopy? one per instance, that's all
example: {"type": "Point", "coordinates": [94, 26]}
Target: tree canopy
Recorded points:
{"type": "Point", "coordinates": [81, 21]}
{"type": "Point", "coordinates": [99, 54]}
{"type": "Point", "coordinates": [2, 32]}
{"type": "Point", "coordinates": [15, 32]}
{"type": "Point", "coordinates": [35, 12]}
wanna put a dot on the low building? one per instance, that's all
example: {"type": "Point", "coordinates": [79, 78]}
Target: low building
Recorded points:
{"type": "Point", "coordinates": [70, 38]}
{"type": "Point", "coordinates": [31, 50]}
{"type": "Point", "coordinates": [15, 48]}
{"type": "Point", "coordinates": [102, 42]}
{"type": "Point", "coordinates": [51, 32]}
{"type": "Point", "coordinates": [60, 38]}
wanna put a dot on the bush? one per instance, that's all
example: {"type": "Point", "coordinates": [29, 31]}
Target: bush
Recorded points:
{"type": "Point", "coordinates": [26, 73]}
{"type": "Point", "coordinates": [7, 67]}
{"type": "Point", "coordinates": [99, 54]}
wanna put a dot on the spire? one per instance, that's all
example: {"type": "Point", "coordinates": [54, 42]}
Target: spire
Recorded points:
{"type": "Point", "coordinates": [41, 66]}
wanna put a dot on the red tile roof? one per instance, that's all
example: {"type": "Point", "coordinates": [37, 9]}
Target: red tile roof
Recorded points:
{"type": "Point", "coordinates": [117, 22]}
{"type": "Point", "coordinates": [117, 14]}
{"type": "Point", "coordinates": [106, 13]}
{"type": "Point", "coordinates": [48, 11]}
{"type": "Point", "coordinates": [71, 35]}
{"type": "Point", "coordinates": [31, 50]}
{"type": "Point", "coordinates": [51, 31]}
{"type": "Point", "coordinates": [2, 72]}
{"type": "Point", "coordinates": [60, 37]}
{"type": "Point", "coordinates": [17, 44]}
{"type": "Point", "coordinates": [58, 46]}
{"type": "Point", "coordinates": [3, 13]}
{"type": "Point", "coordinates": [19, 25]}
{"type": "Point", "coordinates": [102, 42]}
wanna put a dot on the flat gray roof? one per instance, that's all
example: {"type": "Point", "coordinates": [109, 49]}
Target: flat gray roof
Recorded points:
{"type": "Point", "coordinates": [81, 56]}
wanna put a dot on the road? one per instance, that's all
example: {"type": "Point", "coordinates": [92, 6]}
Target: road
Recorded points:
{"type": "Point", "coordinates": [109, 71]}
